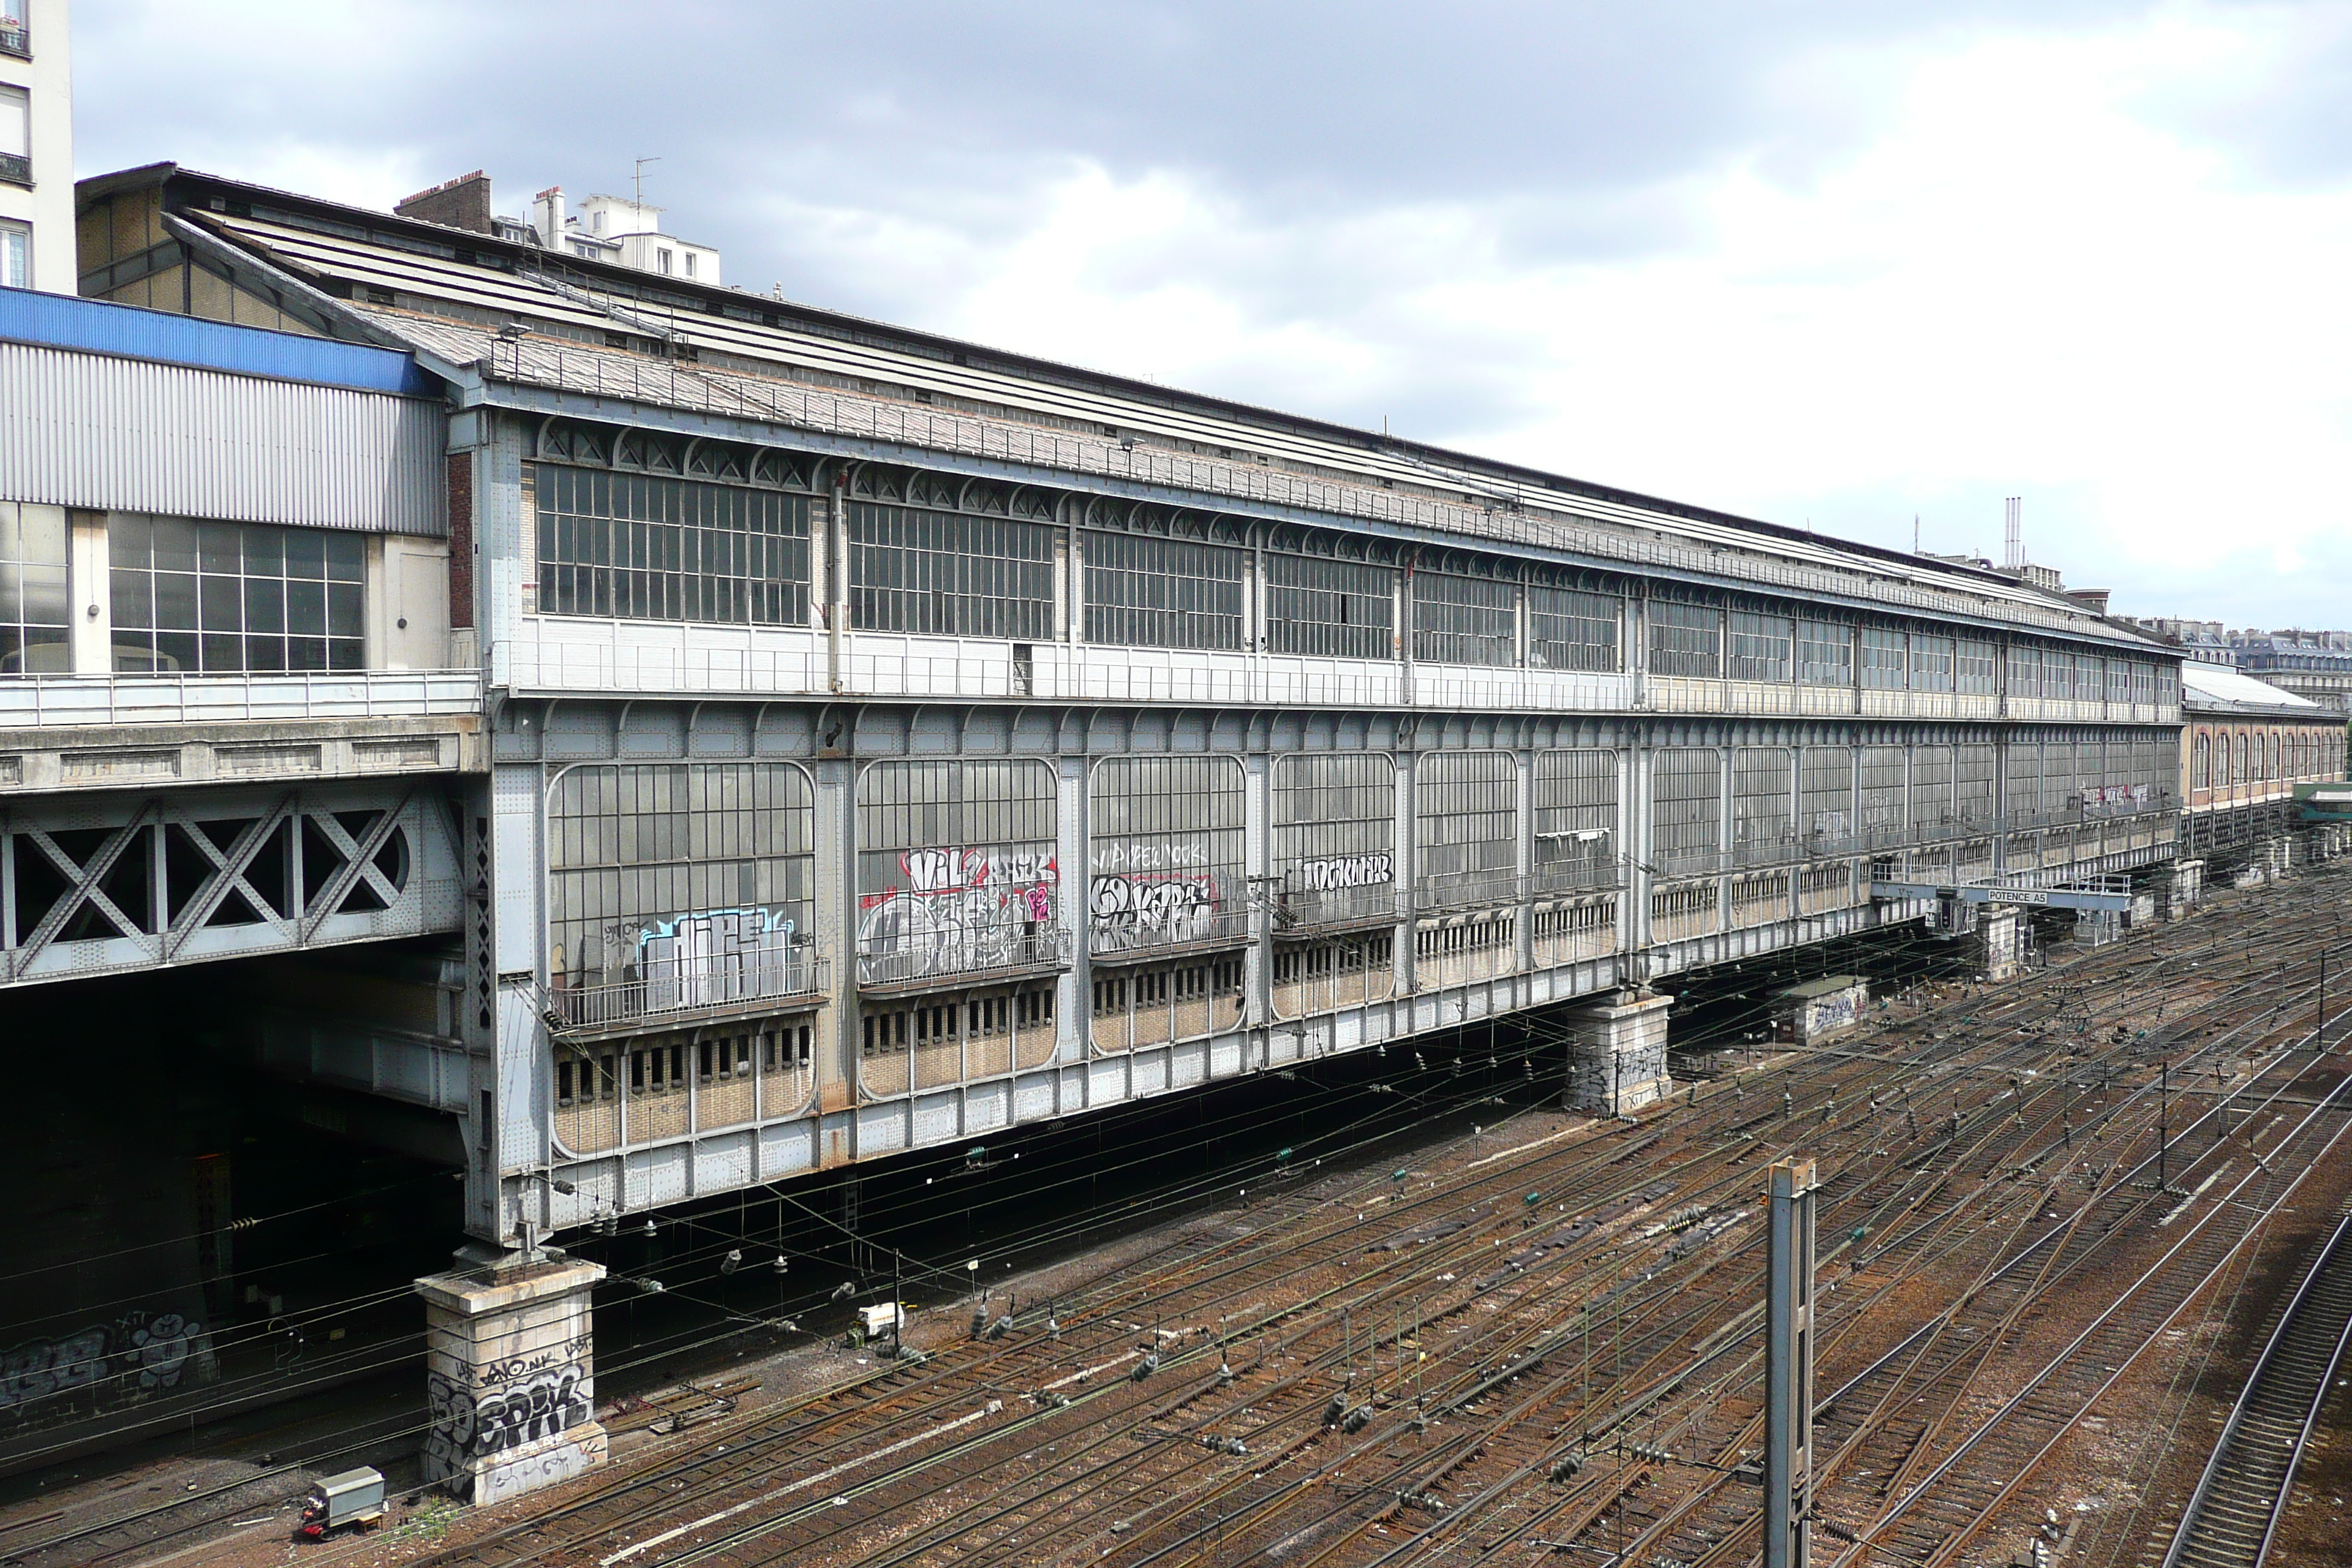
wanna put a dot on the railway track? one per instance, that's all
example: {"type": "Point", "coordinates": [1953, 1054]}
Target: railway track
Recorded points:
{"type": "Point", "coordinates": [2231, 1517]}
{"type": "Point", "coordinates": [877, 1525]}
{"type": "Point", "coordinates": [1554, 1349]}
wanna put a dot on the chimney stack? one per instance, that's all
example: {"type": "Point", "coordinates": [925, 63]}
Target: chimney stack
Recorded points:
{"type": "Point", "coordinates": [547, 217]}
{"type": "Point", "coordinates": [462, 203]}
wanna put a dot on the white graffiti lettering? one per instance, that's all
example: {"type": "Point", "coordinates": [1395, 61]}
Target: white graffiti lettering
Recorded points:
{"type": "Point", "coordinates": [1122, 855]}
{"type": "Point", "coordinates": [1136, 912]}
{"type": "Point", "coordinates": [962, 908]}
{"type": "Point", "coordinates": [463, 1426]}
{"type": "Point", "coordinates": [720, 955]}
{"type": "Point", "coordinates": [1344, 871]}
{"type": "Point", "coordinates": [137, 1357]}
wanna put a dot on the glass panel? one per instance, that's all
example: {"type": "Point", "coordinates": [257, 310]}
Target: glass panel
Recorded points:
{"type": "Point", "coordinates": [1164, 855]}
{"type": "Point", "coordinates": [1465, 620]}
{"type": "Point", "coordinates": [1685, 639]}
{"type": "Point", "coordinates": [956, 868]}
{"type": "Point", "coordinates": [1163, 593]}
{"type": "Point", "coordinates": [243, 602]}
{"type": "Point", "coordinates": [1466, 827]}
{"type": "Point", "coordinates": [1335, 833]}
{"type": "Point", "coordinates": [947, 575]}
{"type": "Point", "coordinates": [1572, 630]}
{"type": "Point", "coordinates": [1329, 610]}
{"type": "Point", "coordinates": [659, 549]}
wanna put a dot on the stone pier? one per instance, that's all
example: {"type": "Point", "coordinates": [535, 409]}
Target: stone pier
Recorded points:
{"type": "Point", "coordinates": [1617, 1053]}
{"type": "Point", "coordinates": [2182, 887]}
{"type": "Point", "coordinates": [2001, 942]}
{"type": "Point", "coordinates": [510, 1373]}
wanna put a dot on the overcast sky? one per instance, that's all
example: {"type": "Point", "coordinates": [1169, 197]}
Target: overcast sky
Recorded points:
{"type": "Point", "coordinates": [1841, 264]}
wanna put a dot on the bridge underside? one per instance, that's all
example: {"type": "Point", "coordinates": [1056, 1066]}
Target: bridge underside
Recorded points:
{"type": "Point", "coordinates": [129, 880]}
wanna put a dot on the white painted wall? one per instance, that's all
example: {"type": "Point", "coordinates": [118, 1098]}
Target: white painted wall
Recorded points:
{"type": "Point", "coordinates": [48, 206]}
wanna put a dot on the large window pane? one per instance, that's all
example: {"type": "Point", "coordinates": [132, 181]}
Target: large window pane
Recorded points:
{"type": "Point", "coordinates": [646, 548]}
{"type": "Point", "coordinates": [1331, 609]}
{"type": "Point", "coordinates": [947, 575]}
{"type": "Point", "coordinates": [677, 884]}
{"type": "Point", "coordinates": [1465, 620]}
{"type": "Point", "coordinates": [33, 612]}
{"type": "Point", "coordinates": [1163, 592]}
{"type": "Point", "coordinates": [266, 599]}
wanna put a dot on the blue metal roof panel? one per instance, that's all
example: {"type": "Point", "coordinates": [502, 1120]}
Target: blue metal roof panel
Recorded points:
{"type": "Point", "coordinates": [99, 326]}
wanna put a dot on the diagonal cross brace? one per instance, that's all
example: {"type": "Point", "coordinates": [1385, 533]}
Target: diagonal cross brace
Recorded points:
{"type": "Point", "coordinates": [82, 886]}
{"type": "Point", "coordinates": [227, 875]}
{"type": "Point", "coordinates": [358, 862]}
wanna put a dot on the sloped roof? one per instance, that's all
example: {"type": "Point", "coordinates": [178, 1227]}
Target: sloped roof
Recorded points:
{"type": "Point", "coordinates": [2217, 688]}
{"type": "Point", "coordinates": [586, 318]}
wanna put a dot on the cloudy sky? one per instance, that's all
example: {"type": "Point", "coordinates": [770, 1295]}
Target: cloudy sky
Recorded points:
{"type": "Point", "coordinates": [1845, 263]}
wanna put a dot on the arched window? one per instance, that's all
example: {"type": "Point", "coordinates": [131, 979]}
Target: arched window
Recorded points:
{"type": "Point", "coordinates": [2203, 776]}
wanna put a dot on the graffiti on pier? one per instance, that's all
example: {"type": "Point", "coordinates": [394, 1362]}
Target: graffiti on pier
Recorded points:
{"type": "Point", "coordinates": [513, 1409]}
{"type": "Point", "coordinates": [106, 1366]}
{"type": "Point", "coordinates": [957, 909]}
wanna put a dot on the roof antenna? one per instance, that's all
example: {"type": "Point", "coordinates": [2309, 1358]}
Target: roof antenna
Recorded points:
{"type": "Point", "coordinates": [1915, 534]}
{"type": "Point", "coordinates": [640, 203]}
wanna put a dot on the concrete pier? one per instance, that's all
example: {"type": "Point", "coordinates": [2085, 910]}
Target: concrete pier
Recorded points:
{"type": "Point", "coordinates": [1617, 1054]}
{"type": "Point", "coordinates": [511, 1374]}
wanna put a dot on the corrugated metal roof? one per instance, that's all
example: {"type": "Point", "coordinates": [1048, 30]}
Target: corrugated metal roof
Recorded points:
{"type": "Point", "coordinates": [97, 326]}
{"type": "Point", "coordinates": [2213, 688]}
{"type": "Point", "coordinates": [1361, 476]}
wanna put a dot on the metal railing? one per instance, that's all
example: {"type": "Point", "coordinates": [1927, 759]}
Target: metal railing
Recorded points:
{"type": "Point", "coordinates": [762, 979]}
{"type": "Point", "coordinates": [1131, 934]}
{"type": "Point", "coordinates": [1587, 875]}
{"type": "Point", "coordinates": [1469, 890]}
{"type": "Point", "coordinates": [1585, 525]}
{"type": "Point", "coordinates": [15, 169]}
{"type": "Point", "coordinates": [17, 39]}
{"type": "Point", "coordinates": [957, 954]}
{"type": "Point", "coordinates": [34, 701]}
{"type": "Point", "coordinates": [1296, 908]}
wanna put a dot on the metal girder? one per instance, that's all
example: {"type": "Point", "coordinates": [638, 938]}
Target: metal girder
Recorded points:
{"type": "Point", "coordinates": [105, 885]}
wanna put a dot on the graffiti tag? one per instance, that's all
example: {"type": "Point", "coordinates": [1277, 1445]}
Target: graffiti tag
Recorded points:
{"type": "Point", "coordinates": [137, 1357]}
{"type": "Point", "coordinates": [960, 908]}
{"type": "Point", "coordinates": [1345, 871]}
{"type": "Point", "coordinates": [717, 955]}
{"type": "Point", "coordinates": [463, 1426]}
{"type": "Point", "coordinates": [1136, 912]}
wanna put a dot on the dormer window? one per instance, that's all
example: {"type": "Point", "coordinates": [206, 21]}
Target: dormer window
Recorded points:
{"type": "Point", "coordinates": [690, 264]}
{"type": "Point", "coordinates": [661, 258]}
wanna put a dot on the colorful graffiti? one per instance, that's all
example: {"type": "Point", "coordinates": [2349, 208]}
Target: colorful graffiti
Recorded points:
{"type": "Point", "coordinates": [138, 1357]}
{"type": "Point", "coordinates": [959, 908]}
{"type": "Point", "coordinates": [718, 955]}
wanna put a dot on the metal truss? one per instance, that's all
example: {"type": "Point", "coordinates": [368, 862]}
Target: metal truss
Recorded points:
{"type": "Point", "coordinates": [104, 885]}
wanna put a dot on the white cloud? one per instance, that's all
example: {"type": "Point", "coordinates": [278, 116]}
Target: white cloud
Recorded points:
{"type": "Point", "coordinates": [2021, 284]}
{"type": "Point", "coordinates": [1832, 264]}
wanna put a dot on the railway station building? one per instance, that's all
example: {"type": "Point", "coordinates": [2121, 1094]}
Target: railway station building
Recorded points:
{"type": "Point", "coordinates": [885, 741]}
{"type": "Point", "coordinates": [2246, 744]}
